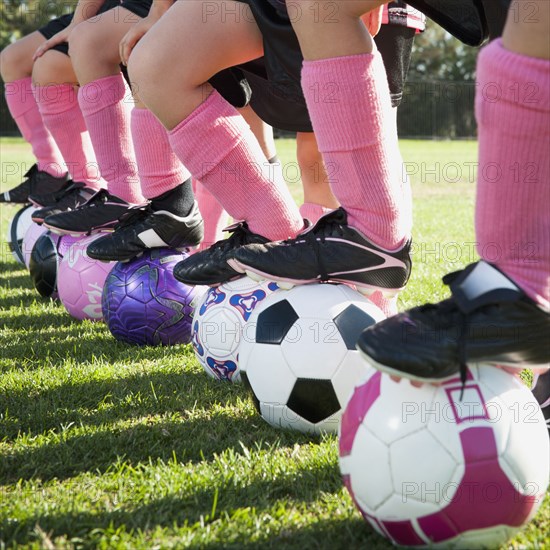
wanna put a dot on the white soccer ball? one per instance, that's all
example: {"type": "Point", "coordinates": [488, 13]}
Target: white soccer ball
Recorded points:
{"type": "Point", "coordinates": [18, 226]}
{"type": "Point", "coordinates": [298, 354]}
{"type": "Point", "coordinates": [430, 467]}
{"type": "Point", "coordinates": [218, 324]}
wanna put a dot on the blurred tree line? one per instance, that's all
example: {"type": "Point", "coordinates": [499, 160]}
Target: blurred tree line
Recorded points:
{"type": "Point", "coordinates": [21, 17]}
{"type": "Point", "coordinates": [440, 90]}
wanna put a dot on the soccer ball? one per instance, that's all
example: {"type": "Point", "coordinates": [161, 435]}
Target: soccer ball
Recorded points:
{"type": "Point", "coordinates": [46, 254]}
{"type": "Point", "coordinates": [433, 466]}
{"type": "Point", "coordinates": [218, 324]}
{"type": "Point", "coordinates": [298, 355]}
{"type": "Point", "coordinates": [81, 279]}
{"type": "Point", "coordinates": [29, 240]}
{"type": "Point", "coordinates": [143, 303]}
{"type": "Point", "coordinates": [18, 226]}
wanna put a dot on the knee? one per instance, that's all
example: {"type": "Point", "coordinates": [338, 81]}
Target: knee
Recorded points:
{"type": "Point", "coordinates": [51, 68]}
{"type": "Point", "coordinates": [89, 43]}
{"type": "Point", "coordinates": [15, 63]}
{"type": "Point", "coordinates": [144, 71]}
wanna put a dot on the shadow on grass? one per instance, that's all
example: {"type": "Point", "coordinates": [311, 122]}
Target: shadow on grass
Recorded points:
{"type": "Point", "coordinates": [54, 337]}
{"type": "Point", "coordinates": [111, 400]}
{"type": "Point", "coordinates": [186, 509]}
{"type": "Point", "coordinates": [183, 436]}
{"type": "Point", "coordinates": [41, 321]}
{"type": "Point", "coordinates": [14, 278]}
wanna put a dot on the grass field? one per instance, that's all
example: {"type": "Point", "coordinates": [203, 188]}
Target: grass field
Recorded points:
{"type": "Point", "coordinates": [104, 445]}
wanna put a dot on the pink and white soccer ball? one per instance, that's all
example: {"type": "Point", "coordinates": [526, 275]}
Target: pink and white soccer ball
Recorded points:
{"type": "Point", "coordinates": [428, 468]}
{"type": "Point", "coordinates": [31, 236]}
{"type": "Point", "coordinates": [80, 281]}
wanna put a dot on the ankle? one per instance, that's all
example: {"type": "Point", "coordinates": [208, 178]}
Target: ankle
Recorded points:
{"type": "Point", "coordinates": [178, 201]}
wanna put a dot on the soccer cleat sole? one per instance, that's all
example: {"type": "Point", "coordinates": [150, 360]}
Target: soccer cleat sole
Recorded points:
{"type": "Point", "coordinates": [287, 283]}
{"type": "Point", "coordinates": [435, 381]}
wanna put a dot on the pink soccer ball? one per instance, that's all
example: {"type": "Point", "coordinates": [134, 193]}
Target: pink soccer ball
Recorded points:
{"type": "Point", "coordinates": [80, 281]}
{"type": "Point", "coordinates": [31, 236]}
{"type": "Point", "coordinates": [430, 466]}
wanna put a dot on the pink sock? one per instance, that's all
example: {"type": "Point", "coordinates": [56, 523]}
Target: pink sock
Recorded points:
{"type": "Point", "coordinates": [220, 150]}
{"type": "Point", "coordinates": [24, 110]}
{"type": "Point", "coordinates": [58, 105]}
{"type": "Point", "coordinates": [513, 192]}
{"type": "Point", "coordinates": [313, 211]}
{"type": "Point", "coordinates": [158, 167]}
{"type": "Point", "coordinates": [106, 106]}
{"type": "Point", "coordinates": [356, 132]}
{"type": "Point", "coordinates": [213, 214]}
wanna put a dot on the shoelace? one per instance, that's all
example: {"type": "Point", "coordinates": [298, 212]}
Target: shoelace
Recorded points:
{"type": "Point", "coordinates": [69, 191]}
{"type": "Point", "coordinates": [449, 309]}
{"type": "Point", "coordinates": [133, 215]}
{"type": "Point", "coordinates": [101, 197]}
{"type": "Point", "coordinates": [331, 225]}
{"type": "Point", "coordinates": [237, 238]}
{"type": "Point", "coordinates": [31, 174]}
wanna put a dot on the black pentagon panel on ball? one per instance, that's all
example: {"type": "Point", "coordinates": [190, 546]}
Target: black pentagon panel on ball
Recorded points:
{"type": "Point", "coordinates": [313, 400]}
{"type": "Point", "coordinates": [351, 323]}
{"type": "Point", "coordinates": [275, 322]}
{"type": "Point", "coordinates": [43, 266]}
{"type": "Point", "coordinates": [248, 386]}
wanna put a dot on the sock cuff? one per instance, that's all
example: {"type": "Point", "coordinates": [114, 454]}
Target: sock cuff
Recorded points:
{"type": "Point", "coordinates": [221, 128]}
{"type": "Point", "coordinates": [351, 87]}
{"type": "Point", "coordinates": [55, 99]}
{"type": "Point", "coordinates": [506, 77]}
{"type": "Point", "coordinates": [19, 96]}
{"type": "Point", "coordinates": [102, 93]}
{"type": "Point", "coordinates": [313, 211]}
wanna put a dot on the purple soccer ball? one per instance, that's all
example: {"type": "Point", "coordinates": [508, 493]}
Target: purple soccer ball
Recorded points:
{"type": "Point", "coordinates": [143, 304]}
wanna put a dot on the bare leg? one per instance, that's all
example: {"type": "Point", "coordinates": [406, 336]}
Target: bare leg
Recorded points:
{"type": "Point", "coordinates": [158, 68]}
{"type": "Point", "coordinates": [314, 174]}
{"type": "Point", "coordinates": [209, 136]}
{"type": "Point", "coordinates": [16, 59]}
{"type": "Point", "coordinates": [16, 68]}
{"type": "Point", "coordinates": [94, 47]}
{"type": "Point", "coordinates": [105, 99]}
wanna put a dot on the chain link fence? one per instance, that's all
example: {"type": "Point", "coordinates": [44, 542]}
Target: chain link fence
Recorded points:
{"type": "Point", "coordinates": [431, 109]}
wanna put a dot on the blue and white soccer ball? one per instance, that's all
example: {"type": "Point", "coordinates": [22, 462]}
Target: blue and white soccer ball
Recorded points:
{"type": "Point", "coordinates": [219, 321]}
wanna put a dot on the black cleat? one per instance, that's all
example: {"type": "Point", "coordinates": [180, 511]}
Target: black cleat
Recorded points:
{"type": "Point", "coordinates": [74, 196]}
{"type": "Point", "coordinates": [143, 228]}
{"type": "Point", "coordinates": [210, 267]}
{"type": "Point", "coordinates": [100, 213]}
{"type": "Point", "coordinates": [36, 181]}
{"type": "Point", "coordinates": [541, 391]}
{"type": "Point", "coordinates": [488, 320]}
{"type": "Point", "coordinates": [330, 250]}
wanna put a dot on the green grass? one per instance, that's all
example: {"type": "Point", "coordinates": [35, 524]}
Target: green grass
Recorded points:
{"type": "Point", "coordinates": [104, 445]}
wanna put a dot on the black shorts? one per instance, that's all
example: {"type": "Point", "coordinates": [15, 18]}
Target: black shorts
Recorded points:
{"type": "Point", "coordinates": [471, 21]}
{"type": "Point", "coordinates": [274, 80]}
{"type": "Point", "coordinates": [138, 7]}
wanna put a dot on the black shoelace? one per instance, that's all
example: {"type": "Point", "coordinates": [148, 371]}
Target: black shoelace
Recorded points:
{"type": "Point", "coordinates": [67, 192]}
{"type": "Point", "coordinates": [328, 226]}
{"type": "Point", "coordinates": [237, 238]}
{"type": "Point", "coordinates": [449, 309]}
{"type": "Point", "coordinates": [134, 215]}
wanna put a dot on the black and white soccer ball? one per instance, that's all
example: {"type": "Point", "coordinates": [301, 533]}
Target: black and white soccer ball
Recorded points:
{"type": "Point", "coordinates": [18, 226]}
{"type": "Point", "coordinates": [298, 355]}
